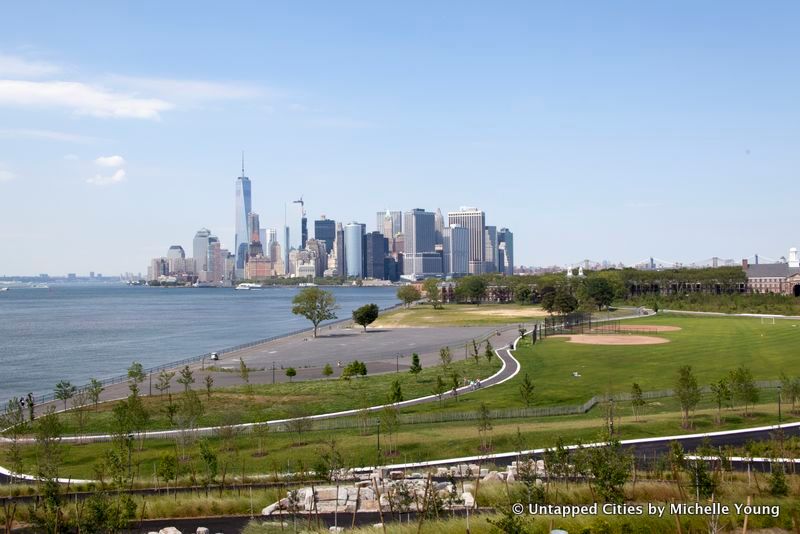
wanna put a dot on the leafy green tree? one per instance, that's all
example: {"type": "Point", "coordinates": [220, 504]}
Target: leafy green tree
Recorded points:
{"type": "Point", "coordinates": [433, 293]}
{"type": "Point", "coordinates": [488, 352]}
{"type": "Point", "coordinates": [548, 298]}
{"type": "Point", "coordinates": [523, 295]}
{"type": "Point", "coordinates": [316, 305]}
{"type": "Point", "coordinates": [354, 368]}
{"type": "Point", "coordinates": [210, 460]}
{"type": "Point", "coordinates": [455, 382]}
{"type": "Point", "coordinates": [164, 382]}
{"type": "Point", "coordinates": [743, 387]}
{"type": "Point", "coordinates": [408, 294]}
{"type": "Point", "coordinates": [485, 427]}
{"type": "Point", "coordinates": [244, 373]}
{"type": "Point", "coordinates": [13, 421]}
{"type": "Point", "coordinates": [526, 389]}
{"type": "Point", "coordinates": [136, 376]}
{"type": "Point", "coordinates": [416, 367]}
{"type": "Point", "coordinates": [396, 393]}
{"type": "Point", "coordinates": [445, 356]}
{"type": "Point", "coordinates": [291, 372]}
{"type": "Point", "coordinates": [390, 424]}
{"type": "Point", "coordinates": [610, 466]}
{"type": "Point", "coordinates": [637, 400]}
{"type": "Point", "coordinates": [209, 385]}
{"type": "Point", "coordinates": [94, 390]}
{"type": "Point", "coordinates": [599, 291]}
{"type": "Point", "coordinates": [565, 302]}
{"type": "Point", "coordinates": [167, 468]}
{"type": "Point", "coordinates": [366, 315]}
{"type": "Point", "coordinates": [186, 378]}
{"type": "Point", "coordinates": [327, 371]}
{"type": "Point", "coordinates": [79, 409]}
{"type": "Point", "coordinates": [721, 393]}
{"type": "Point", "coordinates": [687, 391]}
{"type": "Point", "coordinates": [65, 391]}
{"type": "Point", "coordinates": [439, 388]}
{"type": "Point", "coordinates": [471, 289]}
{"type": "Point", "coordinates": [777, 481]}
{"type": "Point", "coordinates": [790, 390]}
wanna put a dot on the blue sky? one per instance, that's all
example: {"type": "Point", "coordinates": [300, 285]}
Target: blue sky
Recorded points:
{"type": "Point", "coordinates": [601, 130]}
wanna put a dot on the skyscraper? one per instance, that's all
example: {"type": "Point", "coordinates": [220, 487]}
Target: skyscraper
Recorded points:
{"type": "Point", "coordinates": [420, 258]}
{"type": "Point", "coordinates": [375, 253]}
{"type": "Point", "coordinates": [474, 221]}
{"type": "Point", "coordinates": [286, 249]}
{"type": "Point", "coordinates": [200, 250]}
{"type": "Point", "coordinates": [438, 220]}
{"type": "Point", "coordinates": [341, 264]}
{"type": "Point", "coordinates": [243, 208]}
{"type": "Point", "coordinates": [455, 250]}
{"type": "Point", "coordinates": [506, 239]}
{"type": "Point", "coordinates": [491, 264]}
{"type": "Point", "coordinates": [353, 249]}
{"type": "Point", "coordinates": [325, 230]}
{"type": "Point", "coordinates": [255, 247]}
{"type": "Point", "coordinates": [396, 218]}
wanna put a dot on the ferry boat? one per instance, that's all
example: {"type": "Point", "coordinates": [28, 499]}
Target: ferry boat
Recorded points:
{"type": "Point", "coordinates": [306, 284]}
{"type": "Point", "coordinates": [248, 285]}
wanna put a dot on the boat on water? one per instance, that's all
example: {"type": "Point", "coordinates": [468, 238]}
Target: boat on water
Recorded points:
{"type": "Point", "coordinates": [249, 286]}
{"type": "Point", "coordinates": [204, 284]}
{"type": "Point", "coordinates": [3, 289]}
{"type": "Point", "coordinates": [306, 284]}
{"type": "Point", "coordinates": [40, 286]}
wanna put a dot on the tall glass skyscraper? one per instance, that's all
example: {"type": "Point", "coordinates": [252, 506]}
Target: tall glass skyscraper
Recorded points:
{"type": "Point", "coordinates": [353, 249]}
{"type": "Point", "coordinates": [243, 209]}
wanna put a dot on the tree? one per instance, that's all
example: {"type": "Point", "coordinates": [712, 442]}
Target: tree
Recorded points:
{"type": "Point", "coordinates": [600, 291]}
{"type": "Point", "coordinates": [186, 378]}
{"type": "Point", "coordinates": [687, 391]}
{"type": "Point", "coordinates": [455, 381]}
{"type": "Point", "coordinates": [488, 352]}
{"type": "Point", "coordinates": [30, 402]}
{"type": "Point", "coordinates": [526, 390]}
{"type": "Point", "coordinates": [548, 298]}
{"type": "Point", "coordinates": [433, 293]}
{"type": "Point", "coordinates": [291, 372]}
{"type": "Point", "coordinates": [136, 376]}
{"type": "Point", "coordinates": [484, 427]}
{"type": "Point", "coordinates": [327, 371]}
{"type": "Point", "coordinates": [244, 373]}
{"type": "Point", "coordinates": [316, 305]}
{"type": "Point", "coordinates": [79, 406]}
{"type": "Point", "coordinates": [167, 468]}
{"type": "Point", "coordinates": [471, 289]}
{"type": "Point", "coordinates": [721, 393]}
{"type": "Point", "coordinates": [65, 391]}
{"type": "Point", "coordinates": [209, 385]}
{"type": "Point", "coordinates": [637, 401]}
{"type": "Point", "coordinates": [743, 387]}
{"type": "Point", "coordinates": [48, 431]}
{"type": "Point", "coordinates": [777, 481]}
{"type": "Point", "coordinates": [13, 421]}
{"type": "Point", "coordinates": [354, 368]}
{"type": "Point", "coordinates": [610, 466]}
{"type": "Point", "coordinates": [396, 393]}
{"type": "Point", "coordinates": [523, 295]}
{"type": "Point", "coordinates": [790, 390]}
{"type": "Point", "coordinates": [408, 294]}
{"type": "Point", "coordinates": [210, 462]}
{"type": "Point", "coordinates": [164, 381]}
{"type": "Point", "coordinates": [439, 388]}
{"type": "Point", "coordinates": [94, 390]}
{"type": "Point", "coordinates": [445, 356]}
{"type": "Point", "coordinates": [366, 315]}
{"type": "Point", "coordinates": [416, 367]}
{"type": "Point", "coordinates": [390, 423]}
{"type": "Point", "coordinates": [565, 302]}
{"type": "Point", "coordinates": [475, 351]}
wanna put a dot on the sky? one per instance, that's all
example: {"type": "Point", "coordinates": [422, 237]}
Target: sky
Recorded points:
{"type": "Point", "coordinates": [599, 130]}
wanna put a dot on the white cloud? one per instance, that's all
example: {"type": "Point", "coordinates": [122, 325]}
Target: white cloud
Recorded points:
{"type": "Point", "coordinates": [110, 161]}
{"type": "Point", "coordinates": [6, 176]}
{"type": "Point", "coordinates": [119, 176]}
{"type": "Point", "coordinates": [189, 90]}
{"type": "Point", "coordinates": [81, 99]}
{"type": "Point", "coordinates": [28, 133]}
{"type": "Point", "coordinates": [14, 66]}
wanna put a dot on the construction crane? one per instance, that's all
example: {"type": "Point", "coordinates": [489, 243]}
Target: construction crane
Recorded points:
{"type": "Point", "coordinates": [302, 205]}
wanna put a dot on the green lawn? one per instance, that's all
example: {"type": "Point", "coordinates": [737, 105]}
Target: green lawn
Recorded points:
{"type": "Point", "coordinates": [277, 401]}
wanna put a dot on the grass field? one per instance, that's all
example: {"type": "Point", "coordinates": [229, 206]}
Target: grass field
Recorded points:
{"type": "Point", "coordinates": [277, 401]}
{"type": "Point", "coordinates": [460, 315]}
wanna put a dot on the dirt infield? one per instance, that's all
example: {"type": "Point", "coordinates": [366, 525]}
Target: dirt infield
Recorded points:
{"type": "Point", "coordinates": [636, 328]}
{"type": "Point", "coordinates": [610, 339]}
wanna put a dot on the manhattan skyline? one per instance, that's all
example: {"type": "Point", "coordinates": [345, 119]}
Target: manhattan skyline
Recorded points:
{"type": "Point", "coordinates": [616, 132]}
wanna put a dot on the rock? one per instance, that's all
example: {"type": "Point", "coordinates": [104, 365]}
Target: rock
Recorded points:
{"type": "Point", "coordinates": [416, 475]}
{"type": "Point", "coordinates": [442, 471]}
{"type": "Point", "coordinates": [377, 525]}
{"type": "Point", "coordinates": [202, 530]}
{"type": "Point", "coordinates": [336, 529]}
{"type": "Point", "coordinates": [510, 477]}
{"type": "Point", "coordinates": [169, 530]}
{"type": "Point", "coordinates": [492, 476]}
{"type": "Point", "coordinates": [269, 510]}
{"type": "Point", "coordinates": [364, 484]}
{"type": "Point", "coordinates": [483, 472]}
{"type": "Point", "coordinates": [469, 500]}
{"type": "Point", "coordinates": [396, 475]}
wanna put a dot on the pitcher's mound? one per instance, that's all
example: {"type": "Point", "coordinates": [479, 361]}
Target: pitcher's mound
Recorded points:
{"type": "Point", "coordinates": [608, 339]}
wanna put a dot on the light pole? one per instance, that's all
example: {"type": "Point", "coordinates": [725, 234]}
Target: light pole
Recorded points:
{"type": "Point", "coordinates": [397, 362]}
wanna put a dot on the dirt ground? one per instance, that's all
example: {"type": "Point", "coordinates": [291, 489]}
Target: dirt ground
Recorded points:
{"type": "Point", "coordinates": [530, 312]}
{"type": "Point", "coordinates": [610, 339]}
{"type": "Point", "coordinates": [638, 328]}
